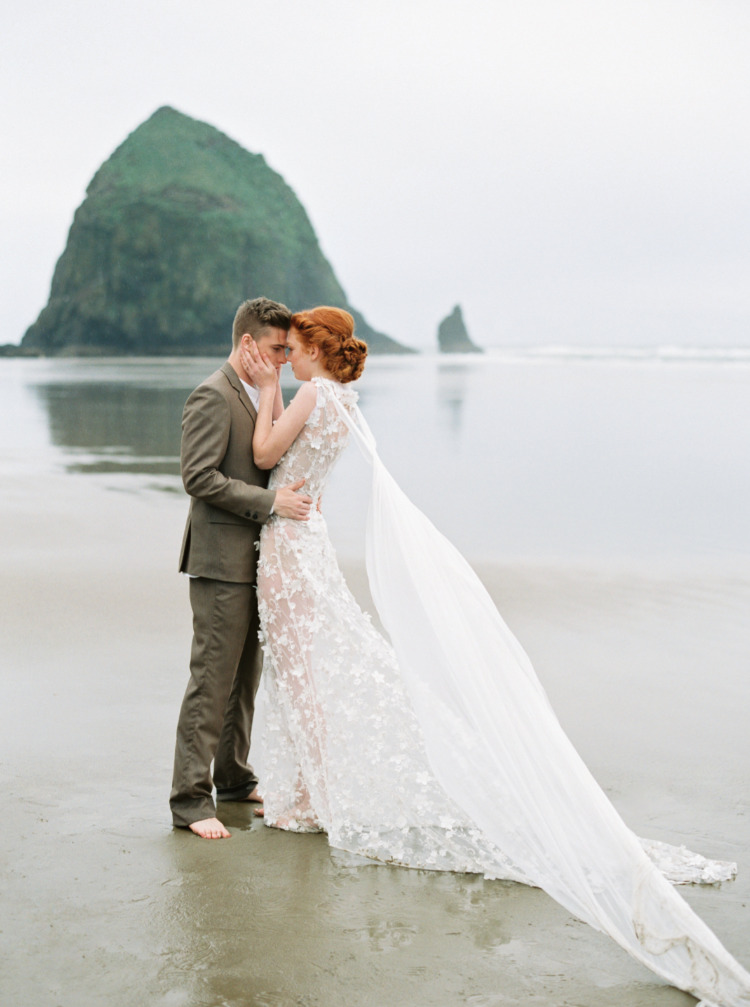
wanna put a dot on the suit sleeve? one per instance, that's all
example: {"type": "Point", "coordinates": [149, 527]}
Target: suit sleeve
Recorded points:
{"type": "Point", "coordinates": [205, 435]}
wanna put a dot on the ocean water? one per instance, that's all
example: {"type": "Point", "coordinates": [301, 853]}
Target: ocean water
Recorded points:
{"type": "Point", "coordinates": [548, 454]}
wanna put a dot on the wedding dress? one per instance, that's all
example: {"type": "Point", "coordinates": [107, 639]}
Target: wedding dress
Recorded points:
{"type": "Point", "coordinates": [439, 749]}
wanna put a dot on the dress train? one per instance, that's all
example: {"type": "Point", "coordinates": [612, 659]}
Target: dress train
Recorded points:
{"type": "Point", "coordinates": [440, 749]}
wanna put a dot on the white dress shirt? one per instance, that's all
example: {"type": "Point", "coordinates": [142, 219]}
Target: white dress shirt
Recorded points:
{"type": "Point", "coordinates": [253, 393]}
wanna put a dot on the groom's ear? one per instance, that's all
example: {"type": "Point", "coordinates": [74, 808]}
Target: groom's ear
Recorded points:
{"type": "Point", "coordinates": [246, 340]}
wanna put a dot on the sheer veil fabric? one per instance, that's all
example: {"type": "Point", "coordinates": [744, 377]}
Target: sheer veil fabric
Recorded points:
{"type": "Point", "coordinates": [452, 718]}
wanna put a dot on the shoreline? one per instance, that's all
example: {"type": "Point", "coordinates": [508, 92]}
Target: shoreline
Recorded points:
{"type": "Point", "coordinates": [647, 672]}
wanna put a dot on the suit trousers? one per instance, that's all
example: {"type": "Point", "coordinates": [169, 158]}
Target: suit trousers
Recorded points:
{"type": "Point", "coordinates": [216, 716]}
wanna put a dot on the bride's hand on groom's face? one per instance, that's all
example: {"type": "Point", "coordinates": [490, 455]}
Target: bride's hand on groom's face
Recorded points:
{"type": "Point", "coordinates": [259, 368]}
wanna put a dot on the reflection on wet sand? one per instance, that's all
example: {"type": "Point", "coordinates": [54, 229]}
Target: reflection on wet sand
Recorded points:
{"type": "Point", "coordinates": [115, 426]}
{"type": "Point", "coordinates": [562, 457]}
{"type": "Point", "coordinates": [285, 920]}
{"type": "Point", "coordinates": [453, 379]}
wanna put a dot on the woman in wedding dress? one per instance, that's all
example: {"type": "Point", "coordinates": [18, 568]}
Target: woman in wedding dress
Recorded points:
{"type": "Point", "coordinates": [438, 748]}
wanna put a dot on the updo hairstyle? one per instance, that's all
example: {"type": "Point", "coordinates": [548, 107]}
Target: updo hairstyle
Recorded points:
{"type": "Point", "coordinates": [332, 331]}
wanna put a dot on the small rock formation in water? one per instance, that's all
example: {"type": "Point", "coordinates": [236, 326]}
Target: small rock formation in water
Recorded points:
{"type": "Point", "coordinates": [452, 334]}
{"type": "Point", "coordinates": [178, 227]}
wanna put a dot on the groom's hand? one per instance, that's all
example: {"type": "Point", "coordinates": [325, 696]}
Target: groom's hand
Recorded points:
{"type": "Point", "coordinates": [289, 503]}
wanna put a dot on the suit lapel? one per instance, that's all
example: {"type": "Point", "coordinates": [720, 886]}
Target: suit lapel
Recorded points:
{"type": "Point", "coordinates": [235, 382]}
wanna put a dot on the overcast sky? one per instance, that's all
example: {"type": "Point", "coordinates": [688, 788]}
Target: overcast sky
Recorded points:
{"type": "Point", "coordinates": [570, 171]}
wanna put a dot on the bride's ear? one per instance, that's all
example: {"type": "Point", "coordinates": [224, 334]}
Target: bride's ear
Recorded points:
{"type": "Point", "coordinates": [314, 352]}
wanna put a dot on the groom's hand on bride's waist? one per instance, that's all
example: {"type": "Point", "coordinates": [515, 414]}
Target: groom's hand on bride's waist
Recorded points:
{"type": "Point", "coordinates": [289, 503]}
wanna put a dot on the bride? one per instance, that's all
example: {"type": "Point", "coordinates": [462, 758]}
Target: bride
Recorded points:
{"type": "Point", "coordinates": [438, 748]}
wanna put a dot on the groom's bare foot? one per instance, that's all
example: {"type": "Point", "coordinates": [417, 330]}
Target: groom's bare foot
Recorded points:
{"type": "Point", "coordinates": [210, 828]}
{"type": "Point", "coordinates": [258, 812]}
{"type": "Point", "coordinates": [254, 796]}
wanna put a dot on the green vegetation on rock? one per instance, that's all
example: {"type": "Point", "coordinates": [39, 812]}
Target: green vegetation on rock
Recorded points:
{"type": "Point", "coordinates": [179, 226]}
{"type": "Point", "coordinates": [453, 336]}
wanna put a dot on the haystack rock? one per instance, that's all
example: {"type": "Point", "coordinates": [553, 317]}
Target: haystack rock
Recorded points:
{"type": "Point", "coordinates": [178, 227]}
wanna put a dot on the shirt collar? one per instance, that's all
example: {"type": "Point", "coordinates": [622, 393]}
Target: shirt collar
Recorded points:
{"type": "Point", "coordinates": [253, 393]}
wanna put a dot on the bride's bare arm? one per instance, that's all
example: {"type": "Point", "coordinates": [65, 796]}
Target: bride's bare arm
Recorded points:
{"type": "Point", "coordinates": [278, 402]}
{"type": "Point", "coordinates": [271, 439]}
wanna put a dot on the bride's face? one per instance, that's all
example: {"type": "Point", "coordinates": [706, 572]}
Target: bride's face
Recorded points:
{"type": "Point", "coordinates": [299, 356]}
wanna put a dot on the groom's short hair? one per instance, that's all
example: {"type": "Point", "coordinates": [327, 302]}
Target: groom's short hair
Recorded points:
{"type": "Point", "coordinates": [254, 316]}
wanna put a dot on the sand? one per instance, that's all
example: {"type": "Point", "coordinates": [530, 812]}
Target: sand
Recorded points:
{"type": "Point", "coordinates": [104, 903]}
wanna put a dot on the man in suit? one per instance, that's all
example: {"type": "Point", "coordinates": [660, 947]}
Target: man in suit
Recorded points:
{"type": "Point", "coordinates": [229, 503]}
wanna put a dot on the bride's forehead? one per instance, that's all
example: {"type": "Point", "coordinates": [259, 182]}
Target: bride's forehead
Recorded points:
{"type": "Point", "coordinates": [294, 340]}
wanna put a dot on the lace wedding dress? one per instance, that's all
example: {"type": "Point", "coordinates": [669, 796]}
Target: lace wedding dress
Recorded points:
{"type": "Point", "coordinates": [439, 749]}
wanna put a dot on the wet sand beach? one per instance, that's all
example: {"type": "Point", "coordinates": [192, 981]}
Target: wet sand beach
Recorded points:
{"type": "Point", "coordinates": [104, 903]}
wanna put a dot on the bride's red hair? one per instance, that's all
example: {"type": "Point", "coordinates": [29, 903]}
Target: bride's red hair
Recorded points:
{"type": "Point", "coordinates": [332, 331]}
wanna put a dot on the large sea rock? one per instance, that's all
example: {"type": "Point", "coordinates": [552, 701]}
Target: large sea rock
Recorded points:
{"type": "Point", "coordinates": [178, 227]}
{"type": "Point", "coordinates": [453, 336]}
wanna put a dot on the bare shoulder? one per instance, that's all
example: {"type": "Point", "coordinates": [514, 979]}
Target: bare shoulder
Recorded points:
{"type": "Point", "coordinates": [306, 395]}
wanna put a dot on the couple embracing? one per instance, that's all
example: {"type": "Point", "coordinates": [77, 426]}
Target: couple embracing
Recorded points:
{"type": "Point", "coordinates": [230, 501]}
{"type": "Point", "coordinates": [435, 747]}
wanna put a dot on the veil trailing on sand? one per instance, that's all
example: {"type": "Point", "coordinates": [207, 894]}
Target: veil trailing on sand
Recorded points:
{"type": "Point", "coordinates": [497, 748]}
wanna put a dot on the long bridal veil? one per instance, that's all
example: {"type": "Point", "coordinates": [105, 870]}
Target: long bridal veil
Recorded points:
{"type": "Point", "coordinates": [499, 751]}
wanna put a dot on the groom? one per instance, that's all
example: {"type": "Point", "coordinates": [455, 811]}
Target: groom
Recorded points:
{"type": "Point", "coordinates": [229, 503]}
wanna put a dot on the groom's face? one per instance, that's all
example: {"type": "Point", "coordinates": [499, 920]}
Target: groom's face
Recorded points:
{"type": "Point", "coordinates": [272, 342]}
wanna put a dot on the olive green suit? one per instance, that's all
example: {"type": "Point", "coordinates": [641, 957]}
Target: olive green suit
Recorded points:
{"type": "Point", "coordinates": [229, 502]}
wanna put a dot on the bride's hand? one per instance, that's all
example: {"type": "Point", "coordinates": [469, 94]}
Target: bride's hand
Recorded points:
{"type": "Point", "coordinates": [259, 368]}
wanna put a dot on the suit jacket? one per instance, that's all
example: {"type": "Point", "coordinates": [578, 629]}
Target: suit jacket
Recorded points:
{"type": "Point", "coordinates": [230, 500]}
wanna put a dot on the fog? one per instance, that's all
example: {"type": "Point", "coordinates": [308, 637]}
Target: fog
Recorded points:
{"type": "Point", "coordinates": [571, 172]}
